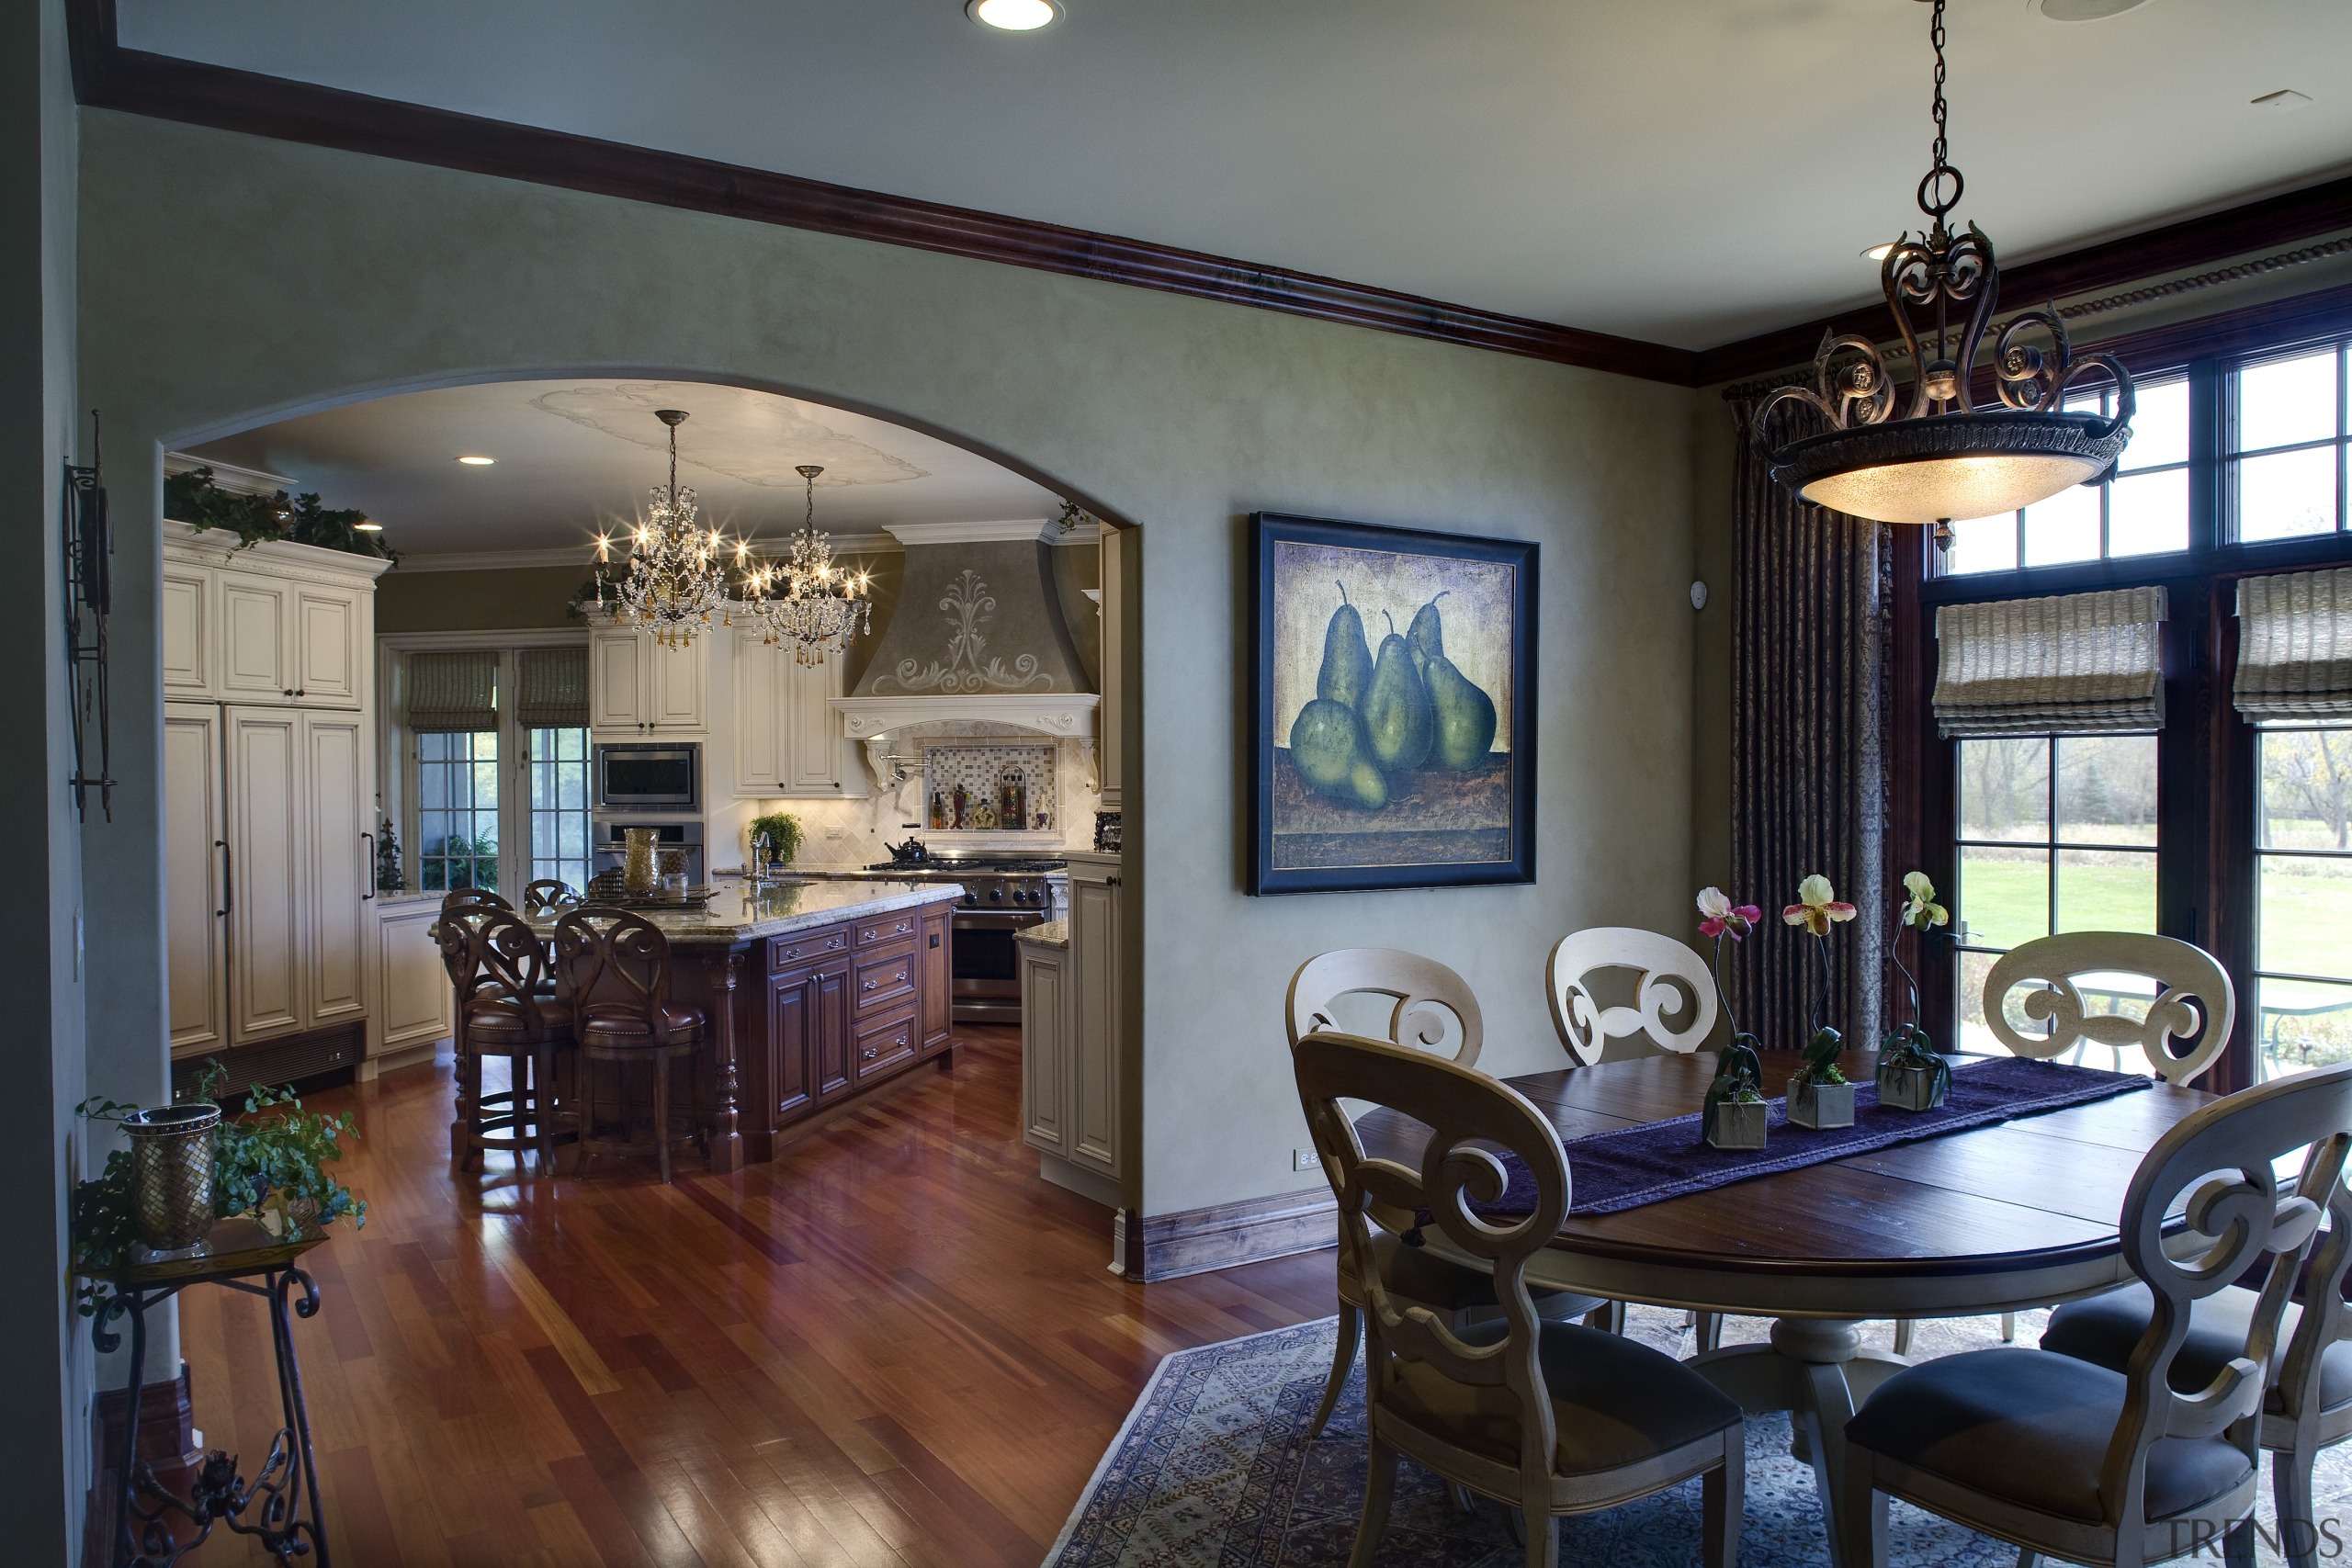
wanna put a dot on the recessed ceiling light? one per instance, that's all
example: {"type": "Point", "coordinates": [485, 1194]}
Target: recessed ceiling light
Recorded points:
{"type": "Point", "coordinates": [1878, 253]}
{"type": "Point", "coordinates": [2084, 10]}
{"type": "Point", "coordinates": [2282, 101]}
{"type": "Point", "coordinates": [478, 462]}
{"type": "Point", "coordinates": [1014, 16]}
{"type": "Point", "coordinates": [368, 527]}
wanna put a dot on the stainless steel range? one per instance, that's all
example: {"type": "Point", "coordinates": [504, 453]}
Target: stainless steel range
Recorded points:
{"type": "Point", "coordinates": [1001, 895]}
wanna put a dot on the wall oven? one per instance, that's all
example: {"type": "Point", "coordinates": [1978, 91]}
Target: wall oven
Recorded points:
{"type": "Point", "coordinates": [661, 775]}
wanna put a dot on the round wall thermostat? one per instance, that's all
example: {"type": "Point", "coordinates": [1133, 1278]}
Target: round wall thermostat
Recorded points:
{"type": "Point", "coordinates": [1697, 595]}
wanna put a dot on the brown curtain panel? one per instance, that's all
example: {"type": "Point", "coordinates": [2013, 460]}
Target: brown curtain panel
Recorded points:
{"type": "Point", "coordinates": [1811, 611]}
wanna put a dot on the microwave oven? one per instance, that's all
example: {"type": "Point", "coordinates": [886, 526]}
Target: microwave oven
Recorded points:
{"type": "Point", "coordinates": [634, 776]}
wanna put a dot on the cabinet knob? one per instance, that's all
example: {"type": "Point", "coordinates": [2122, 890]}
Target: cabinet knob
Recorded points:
{"type": "Point", "coordinates": [869, 1054]}
{"type": "Point", "coordinates": [868, 987]}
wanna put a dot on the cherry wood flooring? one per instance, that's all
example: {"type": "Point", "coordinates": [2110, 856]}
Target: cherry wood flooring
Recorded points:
{"type": "Point", "coordinates": [895, 1345]}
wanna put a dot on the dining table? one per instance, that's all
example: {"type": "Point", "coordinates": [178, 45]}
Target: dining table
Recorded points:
{"type": "Point", "coordinates": [2019, 1214]}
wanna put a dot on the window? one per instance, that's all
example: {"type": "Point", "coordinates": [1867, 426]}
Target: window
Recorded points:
{"type": "Point", "coordinates": [2056, 833]}
{"type": "Point", "coordinates": [456, 816]}
{"type": "Point", "coordinates": [558, 767]}
{"type": "Point", "coordinates": [2303, 898]}
{"type": "Point", "coordinates": [2142, 509]}
{"type": "Point", "coordinates": [2287, 447]}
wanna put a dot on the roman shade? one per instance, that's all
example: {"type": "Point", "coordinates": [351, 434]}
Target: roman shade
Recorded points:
{"type": "Point", "coordinates": [2295, 647]}
{"type": "Point", "coordinates": [552, 689]}
{"type": "Point", "coordinates": [2077, 663]}
{"type": "Point", "coordinates": [454, 691]}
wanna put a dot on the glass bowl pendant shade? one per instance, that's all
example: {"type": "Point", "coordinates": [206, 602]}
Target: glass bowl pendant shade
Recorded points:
{"type": "Point", "coordinates": [1946, 455]}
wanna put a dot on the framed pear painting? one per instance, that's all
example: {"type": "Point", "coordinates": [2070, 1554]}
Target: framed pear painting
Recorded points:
{"type": "Point", "coordinates": [1394, 739]}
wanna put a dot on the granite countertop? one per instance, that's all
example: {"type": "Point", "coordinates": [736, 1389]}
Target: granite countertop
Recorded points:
{"type": "Point", "coordinates": [734, 914]}
{"type": "Point", "coordinates": [1053, 934]}
{"type": "Point", "coordinates": [407, 897]}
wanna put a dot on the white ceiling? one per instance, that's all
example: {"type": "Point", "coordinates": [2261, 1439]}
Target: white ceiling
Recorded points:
{"type": "Point", "coordinates": [576, 456]}
{"type": "Point", "coordinates": [1688, 171]}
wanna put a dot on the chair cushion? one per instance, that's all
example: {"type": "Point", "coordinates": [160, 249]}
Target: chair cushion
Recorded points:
{"type": "Point", "coordinates": [2032, 1427]}
{"type": "Point", "coordinates": [1421, 1276]}
{"type": "Point", "coordinates": [503, 1022]}
{"type": "Point", "coordinates": [1614, 1401]}
{"type": "Point", "coordinates": [683, 1022]}
{"type": "Point", "coordinates": [2103, 1330]}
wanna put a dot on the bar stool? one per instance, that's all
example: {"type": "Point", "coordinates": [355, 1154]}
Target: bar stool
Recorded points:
{"type": "Point", "coordinates": [615, 969]}
{"type": "Point", "coordinates": [549, 893]}
{"type": "Point", "coordinates": [462, 911]}
{"type": "Point", "coordinates": [504, 1011]}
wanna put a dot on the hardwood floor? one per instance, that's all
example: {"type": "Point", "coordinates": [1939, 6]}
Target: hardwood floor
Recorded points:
{"type": "Point", "coordinates": [893, 1345]}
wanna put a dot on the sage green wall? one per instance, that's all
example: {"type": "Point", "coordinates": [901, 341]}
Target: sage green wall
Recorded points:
{"type": "Point", "coordinates": [1175, 415]}
{"type": "Point", "coordinates": [45, 1374]}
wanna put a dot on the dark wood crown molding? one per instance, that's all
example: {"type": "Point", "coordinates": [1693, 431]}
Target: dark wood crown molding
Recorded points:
{"type": "Point", "coordinates": [107, 75]}
{"type": "Point", "coordinates": [2177, 247]}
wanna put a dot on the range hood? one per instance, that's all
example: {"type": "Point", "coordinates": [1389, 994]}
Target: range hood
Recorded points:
{"type": "Point", "coordinates": [978, 635]}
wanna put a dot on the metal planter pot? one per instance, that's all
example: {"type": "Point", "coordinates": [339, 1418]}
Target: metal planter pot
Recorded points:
{"type": "Point", "coordinates": [171, 1174]}
{"type": "Point", "coordinates": [1732, 1125]}
{"type": "Point", "coordinates": [1821, 1105]}
{"type": "Point", "coordinates": [1912, 1089]}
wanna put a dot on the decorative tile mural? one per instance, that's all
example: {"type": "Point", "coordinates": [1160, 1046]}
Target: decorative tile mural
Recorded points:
{"type": "Point", "coordinates": [1004, 787]}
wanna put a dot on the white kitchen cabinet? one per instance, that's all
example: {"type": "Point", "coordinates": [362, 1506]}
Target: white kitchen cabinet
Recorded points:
{"type": "Point", "coordinates": [413, 1006]}
{"type": "Point", "coordinates": [339, 866]}
{"type": "Point", "coordinates": [191, 626]}
{"type": "Point", "coordinates": [330, 637]}
{"type": "Point", "coordinates": [638, 687]}
{"type": "Point", "coordinates": [265, 872]}
{"type": "Point", "coordinates": [194, 917]}
{"type": "Point", "coordinates": [255, 614]}
{"type": "Point", "coordinates": [787, 738]}
{"type": "Point", "coordinates": [1096, 1051]}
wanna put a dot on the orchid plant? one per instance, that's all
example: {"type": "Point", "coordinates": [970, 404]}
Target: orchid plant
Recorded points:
{"type": "Point", "coordinates": [1816, 910]}
{"type": "Point", "coordinates": [1907, 1045]}
{"type": "Point", "coordinates": [1739, 1071]}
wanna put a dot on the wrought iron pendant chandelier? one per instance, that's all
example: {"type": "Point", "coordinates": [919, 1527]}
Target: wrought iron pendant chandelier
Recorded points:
{"type": "Point", "coordinates": [805, 600]}
{"type": "Point", "coordinates": [1946, 455]}
{"type": "Point", "coordinates": [676, 575]}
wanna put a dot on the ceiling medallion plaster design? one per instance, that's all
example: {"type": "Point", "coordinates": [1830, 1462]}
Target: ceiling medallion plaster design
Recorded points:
{"type": "Point", "coordinates": [971, 608]}
{"type": "Point", "coordinates": [753, 438]}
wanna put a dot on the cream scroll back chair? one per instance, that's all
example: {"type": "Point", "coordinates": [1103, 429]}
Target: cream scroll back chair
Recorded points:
{"type": "Point", "coordinates": [1551, 1417]}
{"type": "Point", "coordinates": [1586, 1026]}
{"type": "Point", "coordinates": [1421, 993]}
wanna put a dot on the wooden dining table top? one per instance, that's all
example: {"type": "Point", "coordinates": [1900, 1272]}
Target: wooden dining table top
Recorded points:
{"type": "Point", "coordinates": [1976, 1220]}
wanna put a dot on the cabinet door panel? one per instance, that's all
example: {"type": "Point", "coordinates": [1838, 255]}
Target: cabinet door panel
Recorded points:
{"type": "Point", "coordinates": [759, 715]}
{"type": "Point", "coordinates": [936, 955]}
{"type": "Point", "coordinates": [335, 917]}
{"type": "Point", "coordinates": [886, 977]}
{"type": "Point", "coordinates": [254, 617]}
{"type": "Point", "coordinates": [414, 986]}
{"type": "Point", "coordinates": [792, 1009]}
{"type": "Point", "coordinates": [265, 893]}
{"type": "Point", "coordinates": [813, 750]}
{"type": "Point", "coordinates": [187, 633]}
{"type": "Point", "coordinates": [830, 1041]}
{"type": "Point", "coordinates": [675, 690]}
{"type": "Point", "coordinates": [326, 645]}
{"type": "Point", "coordinates": [1094, 1109]}
{"type": "Point", "coordinates": [615, 682]}
{"type": "Point", "coordinates": [194, 928]}
{"type": "Point", "coordinates": [1043, 1050]}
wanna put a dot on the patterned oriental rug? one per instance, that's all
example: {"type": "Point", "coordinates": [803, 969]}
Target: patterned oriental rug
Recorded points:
{"type": "Point", "coordinates": [1213, 1470]}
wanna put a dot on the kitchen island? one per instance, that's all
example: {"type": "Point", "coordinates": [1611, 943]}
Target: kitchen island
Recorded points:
{"type": "Point", "coordinates": [817, 993]}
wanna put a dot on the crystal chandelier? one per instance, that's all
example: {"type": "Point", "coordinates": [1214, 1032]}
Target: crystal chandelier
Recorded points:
{"type": "Point", "coordinates": [1946, 455]}
{"type": "Point", "coordinates": [675, 576]}
{"type": "Point", "coordinates": [805, 599]}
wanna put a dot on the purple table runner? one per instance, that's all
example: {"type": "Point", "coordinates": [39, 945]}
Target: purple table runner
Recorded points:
{"type": "Point", "coordinates": [1608, 1172]}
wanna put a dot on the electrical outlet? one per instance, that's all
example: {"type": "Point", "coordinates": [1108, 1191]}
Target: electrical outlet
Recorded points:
{"type": "Point", "coordinates": [1304, 1159]}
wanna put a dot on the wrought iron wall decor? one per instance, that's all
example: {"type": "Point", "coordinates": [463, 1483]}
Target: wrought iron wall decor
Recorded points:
{"type": "Point", "coordinates": [1945, 456]}
{"type": "Point", "coordinates": [89, 600]}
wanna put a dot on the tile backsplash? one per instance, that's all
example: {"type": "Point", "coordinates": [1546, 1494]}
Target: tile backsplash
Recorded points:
{"type": "Point", "coordinates": [1003, 787]}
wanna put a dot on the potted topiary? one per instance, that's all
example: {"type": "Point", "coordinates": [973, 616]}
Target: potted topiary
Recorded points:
{"type": "Point", "coordinates": [1912, 1074]}
{"type": "Point", "coordinates": [1819, 1095]}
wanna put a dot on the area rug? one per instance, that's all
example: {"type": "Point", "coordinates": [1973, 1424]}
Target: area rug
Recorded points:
{"type": "Point", "coordinates": [1213, 1470]}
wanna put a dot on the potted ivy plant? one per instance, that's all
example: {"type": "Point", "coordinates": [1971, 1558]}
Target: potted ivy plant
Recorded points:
{"type": "Point", "coordinates": [1912, 1074]}
{"type": "Point", "coordinates": [1820, 1096]}
{"type": "Point", "coordinates": [775, 839]}
{"type": "Point", "coordinates": [1733, 1115]}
